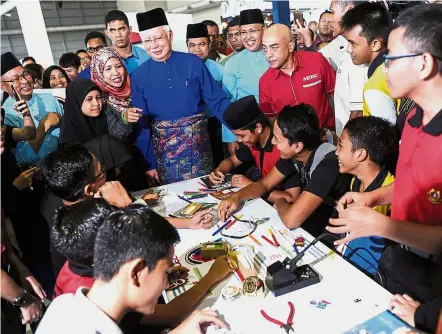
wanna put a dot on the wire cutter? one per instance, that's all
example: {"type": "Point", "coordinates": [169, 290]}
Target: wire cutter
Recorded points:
{"type": "Point", "coordinates": [288, 326]}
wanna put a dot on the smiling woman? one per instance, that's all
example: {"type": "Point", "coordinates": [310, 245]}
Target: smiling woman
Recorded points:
{"type": "Point", "coordinates": [55, 77]}
{"type": "Point", "coordinates": [110, 75]}
{"type": "Point", "coordinates": [84, 117]}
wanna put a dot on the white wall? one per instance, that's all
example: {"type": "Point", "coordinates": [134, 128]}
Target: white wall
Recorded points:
{"type": "Point", "coordinates": [213, 14]}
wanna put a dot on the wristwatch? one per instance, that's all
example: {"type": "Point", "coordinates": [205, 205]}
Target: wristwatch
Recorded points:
{"type": "Point", "coordinates": [23, 300]}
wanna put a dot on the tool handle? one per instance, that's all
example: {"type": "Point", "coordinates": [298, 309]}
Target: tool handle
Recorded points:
{"type": "Point", "coordinates": [291, 314]}
{"type": "Point", "coordinates": [276, 322]}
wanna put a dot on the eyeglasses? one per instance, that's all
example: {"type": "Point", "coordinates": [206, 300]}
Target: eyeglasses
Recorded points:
{"type": "Point", "coordinates": [16, 80]}
{"type": "Point", "coordinates": [94, 49]}
{"type": "Point", "coordinates": [86, 58]}
{"type": "Point", "coordinates": [387, 58]}
{"type": "Point", "coordinates": [251, 32]}
{"type": "Point", "coordinates": [155, 40]}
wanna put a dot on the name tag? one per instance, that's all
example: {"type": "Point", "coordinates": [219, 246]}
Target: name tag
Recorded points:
{"type": "Point", "coordinates": [312, 84]}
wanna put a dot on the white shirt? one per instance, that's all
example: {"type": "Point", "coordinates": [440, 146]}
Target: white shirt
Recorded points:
{"type": "Point", "coordinates": [71, 313]}
{"type": "Point", "coordinates": [334, 51]}
{"type": "Point", "coordinates": [350, 81]}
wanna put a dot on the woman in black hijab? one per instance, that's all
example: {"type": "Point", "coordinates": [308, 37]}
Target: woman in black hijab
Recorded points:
{"type": "Point", "coordinates": [103, 132]}
{"type": "Point", "coordinates": [84, 118]}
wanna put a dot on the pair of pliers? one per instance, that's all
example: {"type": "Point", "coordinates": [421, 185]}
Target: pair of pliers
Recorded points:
{"type": "Point", "coordinates": [287, 326]}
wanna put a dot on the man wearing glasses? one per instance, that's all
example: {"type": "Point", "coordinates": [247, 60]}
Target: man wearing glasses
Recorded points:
{"type": "Point", "coordinates": [413, 69]}
{"type": "Point", "coordinates": [366, 26]}
{"type": "Point", "coordinates": [94, 41]}
{"type": "Point", "coordinates": [44, 109]}
{"type": "Point", "coordinates": [243, 71]}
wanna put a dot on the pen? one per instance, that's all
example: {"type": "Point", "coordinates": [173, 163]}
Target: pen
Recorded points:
{"type": "Point", "coordinates": [268, 240]}
{"type": "Point", "coordinates": [254, 239]}
{"type": "Point", "coordinates": [197, 196]}
{"type": "Point", "coordinates": [233, 221]}
{"type": "Point", "coordinates": [184, 199]}
{"type": "Point", "coordinates": [221, 228]}
{"type": "Point", "coordinates": [273, 237]}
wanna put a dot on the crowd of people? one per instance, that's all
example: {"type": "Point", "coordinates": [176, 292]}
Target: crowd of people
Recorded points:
{"type": "Point", "coordinates": [337, 124]}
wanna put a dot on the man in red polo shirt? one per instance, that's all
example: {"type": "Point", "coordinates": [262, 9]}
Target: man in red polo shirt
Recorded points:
{"type": "Point", "coordinates": [414, 70]}
{"type": "Point", "coordinates": [254, 135]}
{"type": "Point", "coordinates": [295, 77]}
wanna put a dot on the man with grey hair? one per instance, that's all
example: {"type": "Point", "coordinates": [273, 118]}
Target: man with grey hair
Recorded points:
{"type": "Point", "coordinates": [172, 88]}
{"type": "Point", "coordinates": [350, 78]}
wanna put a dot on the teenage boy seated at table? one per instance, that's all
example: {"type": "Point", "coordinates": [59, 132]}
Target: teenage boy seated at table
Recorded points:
{"type": "Point", "coordinates": [297, 136]}
{"type": "Point", "coordinates": [363, 149]}
{"type": "Point", "coordinates": [73, 174]}
{"type": "Point", "coordinates": [73, 235]}
{"type": "Point", "coordinates": [254, 135]}
{"type": "Point", "coordinates": [129, 279]}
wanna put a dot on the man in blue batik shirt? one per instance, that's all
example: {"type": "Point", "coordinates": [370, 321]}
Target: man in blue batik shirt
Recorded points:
{"type": "Point", "coordinates": [172, 89]}
{"type": "Point", "coordinates": [118, 30]}
{"type": "Point", "coordinates": [44, 110]}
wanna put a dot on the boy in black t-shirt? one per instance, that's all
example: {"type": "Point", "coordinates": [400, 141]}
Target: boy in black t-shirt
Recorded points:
{"type": "Point", "coordinates": [297, 136]}
{"type": "Point", "coordinates": [254, 134]}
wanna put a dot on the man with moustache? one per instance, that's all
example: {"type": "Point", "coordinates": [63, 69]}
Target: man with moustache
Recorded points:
{"type": "Point", "coordinates": [243, 71]}
{"type": "Point", "coordinates": [173, 124]}
{"type": "Point", "coordinates": [233, 38]}
{"type": "Point", "coordinates": [43, 108]}
{"type": "Point", "coordinates": [295, 77]}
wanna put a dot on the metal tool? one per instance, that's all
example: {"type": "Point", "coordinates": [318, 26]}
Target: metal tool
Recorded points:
{"type": "Point", "coordinates": [287, 326]}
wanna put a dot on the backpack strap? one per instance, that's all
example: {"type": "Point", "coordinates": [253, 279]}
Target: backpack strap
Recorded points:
{"type": "Point", "coordinates": [320, 153]}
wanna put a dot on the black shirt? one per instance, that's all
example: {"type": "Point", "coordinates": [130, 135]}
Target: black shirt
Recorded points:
{"type": "Point", "coordinates": [49, 205]}
{"type": "Point", "coordinates": [325, 182]}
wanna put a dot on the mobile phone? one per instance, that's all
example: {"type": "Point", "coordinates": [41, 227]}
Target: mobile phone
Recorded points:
{"type": "Point", "coordinates": [298, 15]}
{"type": "Point", "coordinates": [16, 97]}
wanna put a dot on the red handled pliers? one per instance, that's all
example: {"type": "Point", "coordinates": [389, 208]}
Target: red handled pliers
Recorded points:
{"type": "Point", "coordinates": [288, 326]}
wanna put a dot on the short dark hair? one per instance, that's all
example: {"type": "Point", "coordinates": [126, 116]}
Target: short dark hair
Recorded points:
{"type": "Point", "coordinates": [67, 171]}
{"type": "Point", "coordinates": [36, 70]}
{"type": "Point", "coordinates": [262, 119]}
{"type": "Point", "coordinates": [374, 19]}
{"type": "Point", "coordinates": [94, 34]}
{"type": "Point", "coordinates": [135, 232]}
{"type": "Point", "coordinates": [75, 228]}
{"type": "Point", "coordinates": [375, 135]}
{"type": "Point", "coordinates": [423, 30]}
{"type": "Point", "coordinates": [209, 23]}
{"type": "Point", "coordinates": [47, 75]}
{"type": "Point", "coordinates": [80, 51]}
{"type": "Point", "coordinates": [69, 59]}
{"type": "Point", "coordinates": [115, 15]}
{"type": "Point", "coordinates": [300, 123]}
{"type": "Point", "coordinates": [233, 22]}
{"type": "Point", "coordinates": [345, 3]}
{"type": "Point", "coordinates": [29, 58]}
{"type": "Point", "coordinates": [323, 13]}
